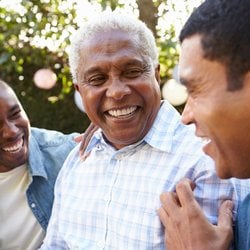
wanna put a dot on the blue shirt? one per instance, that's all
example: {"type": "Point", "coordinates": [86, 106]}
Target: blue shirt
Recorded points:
{"type": "Point", "coordinates": [47, 152]}
{"type": "Point", "coordinates": [110, 200]}
{"type": "Point", "coordinates": [242, 239]}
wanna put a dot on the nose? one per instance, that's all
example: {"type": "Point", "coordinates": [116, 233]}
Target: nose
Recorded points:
{"type": "Point", "coordinates": [9, 130]}
{"type": "Point", "coordinates": [187, 114]}
{"type": "Point", "coordinates": [117, 89]}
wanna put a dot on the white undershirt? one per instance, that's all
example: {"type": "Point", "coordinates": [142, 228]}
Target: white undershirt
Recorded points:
{"type": "Point", "coordinates": [19, 229]}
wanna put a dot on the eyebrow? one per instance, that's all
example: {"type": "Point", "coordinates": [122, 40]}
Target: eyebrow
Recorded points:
{"type": "Point", "coordinates": [135, 62]}
{"type": "Point", "coordinates": [93, 70]}
{"type": "Point", "coordinates": [189, 82]}
{"type": "Point", "coordinates": [128, 63]}
{"type": "Point", "coordinates": [185, 81]}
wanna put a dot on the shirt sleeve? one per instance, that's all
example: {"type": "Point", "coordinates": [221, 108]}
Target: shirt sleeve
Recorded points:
{"type": "Point", "coordinates": [211, 191]}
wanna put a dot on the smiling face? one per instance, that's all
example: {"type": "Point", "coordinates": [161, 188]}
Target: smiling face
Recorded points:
{"type": "Point", "coordinates": [119, 87]}
{"type": "Point", "coordinates": [14, 131]}
{"type": "Point", "coordinates": [219, 115]}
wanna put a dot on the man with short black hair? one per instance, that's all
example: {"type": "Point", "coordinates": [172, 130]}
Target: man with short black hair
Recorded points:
{"type": "Point", "coordinates": [215, 68]}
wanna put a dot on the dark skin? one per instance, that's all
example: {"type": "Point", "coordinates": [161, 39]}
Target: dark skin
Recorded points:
{"type": "Point", "coordinates": [119, 87]}
{"type": "Point", "coordinates": [14, 131]}
{"type": "Point", "coordinates": [220, 116]}
{"type": "Point", "coordinates": [180, 209]}
{"type": "Point", "coordinates": [86, 138]}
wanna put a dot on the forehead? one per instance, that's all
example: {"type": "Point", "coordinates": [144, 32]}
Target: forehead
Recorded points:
{"type": "Point", "coordinates": [110, 46]}
{"type": "Point", "coordinates": [7, 97]}
{"type": "Point", "coordinates": [105, 40]}
{"type": "Point", "coordinates": [199, 73]}
{"type": "Point", "coordinates": [191, 54]}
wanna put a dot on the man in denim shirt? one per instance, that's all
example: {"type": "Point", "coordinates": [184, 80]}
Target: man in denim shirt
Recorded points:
{"type": "Point", "coordinates": [30, 159]}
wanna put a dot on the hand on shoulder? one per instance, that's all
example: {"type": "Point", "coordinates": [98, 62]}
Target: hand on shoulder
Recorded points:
{"type": "Point", "coordinates": [186, 226]}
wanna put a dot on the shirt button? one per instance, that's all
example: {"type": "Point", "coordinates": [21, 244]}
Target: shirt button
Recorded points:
{"type": "Point", "coordinates": [118, 157]}
{"type": "Point", "coordinates": [33, 205]}
{"type": "Point", "coordinates": [100, 244]}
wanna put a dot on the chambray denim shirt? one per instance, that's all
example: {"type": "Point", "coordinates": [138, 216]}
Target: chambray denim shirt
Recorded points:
{"type": "Point", "coordinates": [47, 151]}
{"type": "Point", "coordinates": [242, 232]}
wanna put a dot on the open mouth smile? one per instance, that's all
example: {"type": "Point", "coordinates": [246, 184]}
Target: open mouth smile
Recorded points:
{"type": "Point", "coordinates": [206, 140]}
{"type": "Point", "coordinates": [16, 147]}
{"type": "Point", "coordinates": [124, 112]}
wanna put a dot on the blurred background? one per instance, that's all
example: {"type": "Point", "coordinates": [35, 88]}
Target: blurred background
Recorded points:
{"type": "Point", "coordinates": [34, 40]}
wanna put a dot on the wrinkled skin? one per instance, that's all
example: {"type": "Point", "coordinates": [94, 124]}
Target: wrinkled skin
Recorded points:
{"type": "Point", "coordinates": [119, 87]}
{"type": "Point", "coordinates": [14, 131]}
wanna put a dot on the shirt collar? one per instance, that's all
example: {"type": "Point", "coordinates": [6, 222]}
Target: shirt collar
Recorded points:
{"type": "Point", "coordinates": [35, 159]}
{"type": "Point", "coordinates": [161, 134]}
{"type": "Point", "coordinates": [163, 129]}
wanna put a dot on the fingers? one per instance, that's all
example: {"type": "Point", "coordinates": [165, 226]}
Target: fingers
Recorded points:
{"type": "Point", "coordinates": [78, 138]}
{"type": "Point", "coordinates": [170, 203]}
{"type": "Point", "coordinates": [186, 226]}
{"type": "Point", "coordinates": [184, 191]}
{"type": "Point", "coordinates": [86, 137]}
{"type": "Point", "coordinates": [225, 224]}
{"type": "Point", "coordinates": [225, 218]}
{"type": "Point", "coordinates": [163, 216]}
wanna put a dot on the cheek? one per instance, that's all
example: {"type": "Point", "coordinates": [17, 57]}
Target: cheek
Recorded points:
{"type": "Point", "coordinates": [91, 99]}
{"type": "Point", "coordinates": [24, 123]}
{"type": "Point", "coordinates": [150, 91]}
{"type": "Point", "coordinates": [215, 123]}
{"type": "Point", "coordinates": [205, 110]}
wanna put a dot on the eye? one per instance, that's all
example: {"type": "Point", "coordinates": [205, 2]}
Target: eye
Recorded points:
{"type": "Point", "coordinates": [15, 114]}
{"type": "Point", "coordinates": [96, 80]}
{"type": "Point", "coordinates": [133, 73]}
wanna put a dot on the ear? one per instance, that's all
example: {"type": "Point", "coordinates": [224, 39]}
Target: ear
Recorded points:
{"type": "Point", "coordinates": [157, 73]}
{"type": "Point", "coordinates": [76, 87]}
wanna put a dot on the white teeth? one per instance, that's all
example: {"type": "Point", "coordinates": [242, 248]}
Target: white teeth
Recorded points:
{"type": "Point", "coordinates": [15, 148]}
{"type": "Point", "coordinates": [122, 112]}
{"type": "Point", "coordinates": [206, 139]}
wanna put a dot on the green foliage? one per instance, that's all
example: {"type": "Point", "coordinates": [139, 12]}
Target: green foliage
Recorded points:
{"type": "Point", "coordinates": [21, 56]}
{"type": "Point", "coordinates": [168, 54]}
{"type": "Point", "coordinates": [113, 4]}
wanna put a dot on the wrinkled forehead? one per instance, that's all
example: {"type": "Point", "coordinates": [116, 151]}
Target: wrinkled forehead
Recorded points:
{"type": "Point", "coordinates": [105, 40]}
{"type": "Point", "coordinates": [115, 48]}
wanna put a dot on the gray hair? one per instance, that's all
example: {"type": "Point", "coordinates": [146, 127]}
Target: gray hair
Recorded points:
{"type": "Point", "coordinates": [106, 21]}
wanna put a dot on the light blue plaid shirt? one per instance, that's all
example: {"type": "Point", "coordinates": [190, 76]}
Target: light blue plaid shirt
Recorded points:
{"type": "Point", "coordinates": [110, 200]}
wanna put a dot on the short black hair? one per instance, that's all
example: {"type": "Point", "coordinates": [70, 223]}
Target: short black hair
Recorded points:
{"type": "Point", "coordinates": [224, 26]}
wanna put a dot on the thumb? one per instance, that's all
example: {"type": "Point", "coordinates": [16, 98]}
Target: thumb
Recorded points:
{"type": "Point", "coordinates": [225, 218]}
{"type": "Point", "coordinates": [78, 138]}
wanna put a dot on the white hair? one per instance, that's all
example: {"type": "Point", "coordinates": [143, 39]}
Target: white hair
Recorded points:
{"type": "Point", "coordinates": [111, 20]}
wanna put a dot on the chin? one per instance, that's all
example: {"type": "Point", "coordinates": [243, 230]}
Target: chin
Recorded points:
{"type": "Point", "coordinates": [224, 175]}
{"type": "Point", "coordinates": [222, 170]}
{"type": "Point", "coordinates": [242, 175]}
